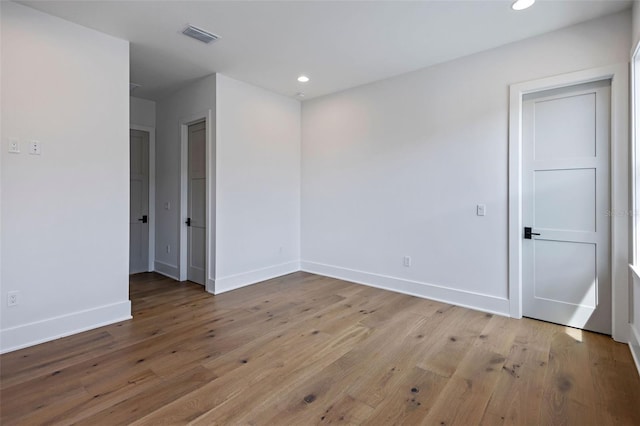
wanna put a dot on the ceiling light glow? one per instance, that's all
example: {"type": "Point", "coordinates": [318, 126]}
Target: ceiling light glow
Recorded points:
{"type": "Point", "coordinates": [303, 79]}
{"type": "Point", "coordinates": [522, 4]}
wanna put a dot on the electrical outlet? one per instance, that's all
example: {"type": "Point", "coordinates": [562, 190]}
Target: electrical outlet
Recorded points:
{"type": "Point", "coordinates": [35, 148]}
{"type": "Point", "coordinates": [168, 248]}
{"type": "Point", "coordinates": [167, 205]}
{"type": "Point", "coordinates": [12, 298]}
{"type": "Point", "coordinates": [406, 261]}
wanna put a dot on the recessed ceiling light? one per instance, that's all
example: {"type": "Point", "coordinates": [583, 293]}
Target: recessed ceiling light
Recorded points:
{"type": "Point", "coordinates": [522, 4]}
{"type": "Point", "coordinates": [303, 79]}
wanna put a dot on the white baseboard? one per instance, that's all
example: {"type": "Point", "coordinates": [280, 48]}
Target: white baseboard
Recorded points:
{"type": "Point", "coordinates": [34, 333]}
{"type": "Point", "coordinates": [167, 270]}
{"type": "Point", "coordinates": [211, 286]}
{"type": "Point", "coordinates": [233, 282]}
{"type": "Point", "coordinates": [471, 300]}
{"type": "Point", "coordinates": [634, 346]}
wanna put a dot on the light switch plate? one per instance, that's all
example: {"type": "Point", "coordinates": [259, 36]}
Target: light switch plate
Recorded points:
{"type": "Point", "coordinates": [14, 146]}
{"type": "Point", "coordinates": [481, 210]}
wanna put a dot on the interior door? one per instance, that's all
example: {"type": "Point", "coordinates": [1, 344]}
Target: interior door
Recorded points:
{"type": "Point", "coordinates": [566, 267]}
{"type": "Point", "coordinates": [138, 201]}
{"type": "Point", "coordinates": [196, 211]}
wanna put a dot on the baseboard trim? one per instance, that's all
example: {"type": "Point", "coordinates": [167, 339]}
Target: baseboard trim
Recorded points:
{"type": "Point", "coordinates": [634, 346]}
{"type": "Point", "coordinates": [34, 333]}
{"type": "Point", "coordinates": [466, 299]}
{"type": "Point", "coordinates": [211, 286]}
{"type": "Point", "coordinates": [170, 271]}
{"type": "Point", "coordinates": [232, 282]}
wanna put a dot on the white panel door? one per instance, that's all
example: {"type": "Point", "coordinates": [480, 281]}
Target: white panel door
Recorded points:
{"type": "Point", "coordinates": [196, 210]}
{"type": "Point", "coordinates": [138, 202]}
{"type": "Point", "coordinates": [566, 271]}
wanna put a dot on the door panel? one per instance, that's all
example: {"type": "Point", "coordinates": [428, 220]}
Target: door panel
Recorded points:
{"type": "Point", "coordinates": [566, 271]}
{"type": "Point", "coordinates": [568, 262]}
{"type": "Point", "coordinates": [138, 201]}
{"type": "Point", "coordinates": [565, 199]}
{"type": "Point", "coordinates": [197, 259]}
{"type": "Point", "coordinates": [574, 135]}
{"type": "Point", "coordinates": [196, 208]}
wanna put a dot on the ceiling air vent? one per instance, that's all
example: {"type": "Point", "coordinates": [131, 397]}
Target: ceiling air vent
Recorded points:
{"type": "Point", "coordinates": [199, 34]}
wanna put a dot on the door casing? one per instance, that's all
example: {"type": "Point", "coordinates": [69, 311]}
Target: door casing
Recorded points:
{"type": "Point", "coordinates": [619, 75]}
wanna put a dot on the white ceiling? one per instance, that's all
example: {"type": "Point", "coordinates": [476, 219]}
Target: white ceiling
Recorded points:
{"type": "Point", "coordinates": [338, 44]}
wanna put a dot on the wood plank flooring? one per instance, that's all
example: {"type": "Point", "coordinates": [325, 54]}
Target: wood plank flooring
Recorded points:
{"type": "Point", "coordinates": [304, 349]}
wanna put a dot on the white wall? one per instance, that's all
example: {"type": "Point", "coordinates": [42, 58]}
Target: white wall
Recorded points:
{"type": "Point", "coordinates": [194, 101]}
{"type": "Point", "coordinates": [397, 167]}
{"type": "Point", "coordinates": [142, 112]}
{"type": "Point", "coordinates": [258, 184]}
{"type": "Point", "coordinates": [65, 212]}
{"type": "Point", "coordinates": [255, 190]}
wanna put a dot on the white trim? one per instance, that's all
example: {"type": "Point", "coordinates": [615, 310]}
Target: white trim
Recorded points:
{"type": "Point", "coordinates": [212, 200]}
{"type": "Point", "coordinates": [34, 333]}
{"type": "Point", "coordinates": [620, 230]}
{"type": "Point", "coordinates": [633, 160]}
{"type": "Point", "coordinates": [152, 190]}
{"type": "Point", "coordinates": [211, 288]}
{"type": "Point", "coordinates": [634, 317]}
{"type": "Point", "coordinates": [635, 272]}
{"type": "Point", "coordinates": [634, 335]}
{"type": "Point", "coordinates": [619, 186]}
{"type": "Point", "coordinates": [634, 347]}
{"type": "Point", "coordinates": [244, 279]}
{"type": "Point", "coordinates": [515, 202]}
{"type": "Point", "coordinates": [184, 170]}
{"type": "Point", "coordinates": [171, 271]}
{"type": "Point", "coordinates": [466, 299]}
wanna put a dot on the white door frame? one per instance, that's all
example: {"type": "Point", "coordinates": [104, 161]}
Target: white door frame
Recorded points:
{"type": "Point", "coordinates": [184, 174]}
{"type": "Point", "coordinates": [634, 89]}
{"type": "Point", "coordinates": [619, 75]}
{"type": "Point", "coordinates": [152, 191]}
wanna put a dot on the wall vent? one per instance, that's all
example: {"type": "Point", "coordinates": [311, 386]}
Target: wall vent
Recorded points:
{"type": "Point", "coordinates": [200, 34]}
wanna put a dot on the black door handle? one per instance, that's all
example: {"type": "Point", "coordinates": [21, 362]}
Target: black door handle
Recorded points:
{"type": "Point", "coordinates": [528, 233]}
{"type": "Point", "coordinates": [144, 219]}
{"type": "Point", "coordinates": [188, 221]}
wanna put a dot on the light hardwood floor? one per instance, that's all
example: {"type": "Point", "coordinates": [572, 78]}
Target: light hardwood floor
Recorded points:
{"type": "Point", "coordinates": [304, 349]}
